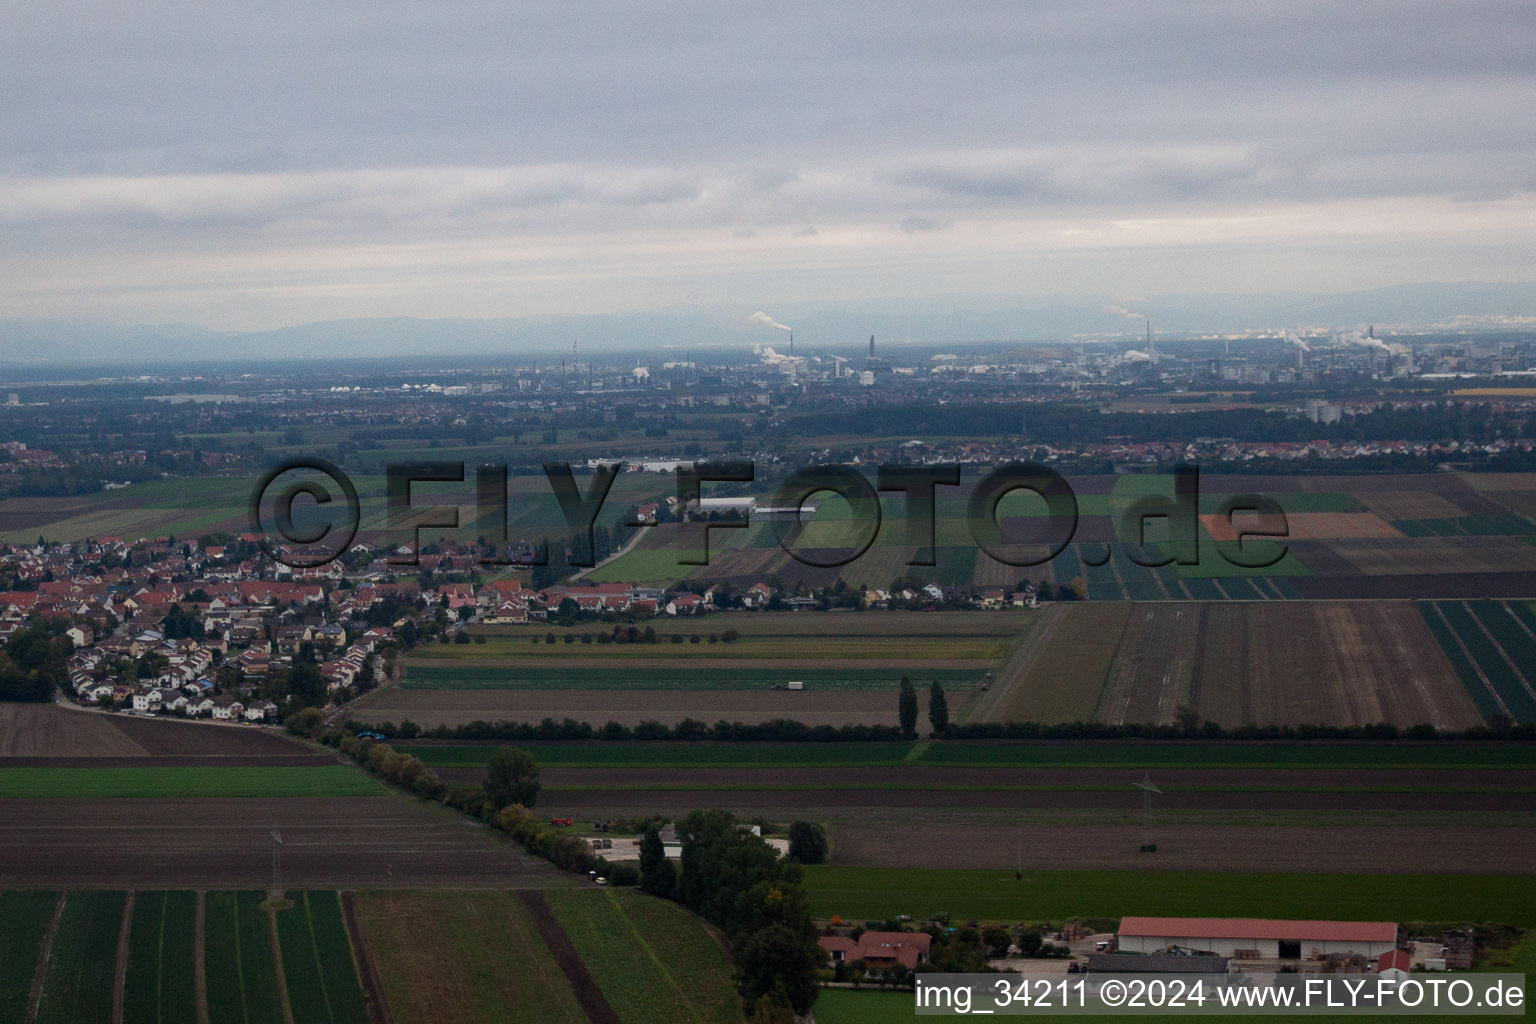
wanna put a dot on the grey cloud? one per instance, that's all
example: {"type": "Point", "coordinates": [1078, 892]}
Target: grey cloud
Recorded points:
{"type": "Point", "coordinates": [915, 224]}
{"type": "Point", "coordinates": [172, 125]}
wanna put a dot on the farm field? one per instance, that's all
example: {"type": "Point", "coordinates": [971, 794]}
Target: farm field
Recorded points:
{"type": "Point", "coordinates": [144, 782]}
{"type": "Point", "coordinates": [27, 916]}
{"type": "Point", "coordinates": [652, 961]}
{"type": "Point", "coordinates": [1359, 792]}
{"type": "Point", "coordinates": [1341, 527]}
{"type": "Point", "coordinates": [1492, 645]}
{"type": "Point", "coordinates": [214, 843]}
{"type": "Point", "coordinates": [646, 671]}
{"type": "Point", "coordinates": [561, 956]}
{"type": "Point", "coordinates": [1177, 782]}
{"type": "Point", "coordinates": [239, 961]}
{"type": "Point", "coordinates": [851, 665]}
{"type": "Point", "coordinates": [48, 730]}
{"type": "Point", "coordinates": [78, 977]}
{"type": "Point", "coordinates": [1059, 677]}
{"type": "Point", "coordinates": [879, 894]}
{"type": "Point", "coordinates": [847, 1006]}
{"type": "Point", "coordinates": [183, 506]}
{"type": "Point", "coordinates": [160, 982]}
{"type": "Point", "coordinates": [318, 966]}
{"type": "Point", "coordinates": [1240, 838]}
{"type": "Point", "coordinates": [430, 708]}
{"type": "Point", "coordinates": [1274, 663]}
{"type": "Point", "coordinates": [451, 956]}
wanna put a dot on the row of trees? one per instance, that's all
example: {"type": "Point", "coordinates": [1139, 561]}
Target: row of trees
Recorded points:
{"type": "Point", "coordinates": [631, 635]}
{"type": "Point", "coordinates": [938, 709]}
{"type": "Point", "coordinates": [780, 730]}
{"type": "Point", "coordinates": [790, 731]}
{"type": "Point", "coordinates": [1062, 424]}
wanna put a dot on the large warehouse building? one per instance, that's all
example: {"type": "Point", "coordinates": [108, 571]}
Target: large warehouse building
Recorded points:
{"type": "Point", "coordinates": [1227, 936]}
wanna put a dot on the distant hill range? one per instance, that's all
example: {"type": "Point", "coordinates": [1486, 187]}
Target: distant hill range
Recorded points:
{"type": "Point", "coordinates": [817, 326]}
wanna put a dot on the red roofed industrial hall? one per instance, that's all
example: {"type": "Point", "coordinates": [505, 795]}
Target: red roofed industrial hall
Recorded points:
{"type": "Point", "coordinates": [1226, 936]}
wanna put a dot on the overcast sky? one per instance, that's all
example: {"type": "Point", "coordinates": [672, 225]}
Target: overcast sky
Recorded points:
{"type": "Point", "coordinates": [254, 165]}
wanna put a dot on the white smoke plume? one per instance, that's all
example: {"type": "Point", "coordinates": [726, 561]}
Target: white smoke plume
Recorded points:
{"type": "Point", "coordinates": [761, 319]}
{"type": "Point", "coordinates": [1298, 342]}
{"type": "Point", "coordinates": [1361, 339]}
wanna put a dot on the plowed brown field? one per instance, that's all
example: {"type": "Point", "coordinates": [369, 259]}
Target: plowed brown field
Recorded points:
{"type": "Point", "coordinates": [47, 730]}
{"type": "Point", "coordinates": [429, 708]}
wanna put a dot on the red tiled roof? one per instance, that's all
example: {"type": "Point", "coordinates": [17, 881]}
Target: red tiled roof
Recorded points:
{"type": "Point", "coordinates": [1394, 958]}
{"type": "Point", "coordinates": [1259, 928]}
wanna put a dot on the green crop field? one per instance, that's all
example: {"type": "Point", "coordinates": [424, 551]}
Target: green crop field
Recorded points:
{"type": "Point", "coordinates": [643, 675]}
{"type": "Point", "coordinates": [1213, 565]}
{"type": "Point", "coordinates": [848, 1006]}
{"type": "Point", "coordinates": [1154, 754]}
{"type": "Point", "coordinates": [160, 986]}
{"type": "Point", "coordinates": [26, 916]}
{"type": "Point", "coordinates": [1496, 636]}
{"type": "Point", "coordinates": [238, 960]}
{"type": "Point", "coordinates": [199, 781]}
{"type": "Point", "coordinates": [465, 955]}
{"type": "Point", "coordinates": [318, 966]}
{"type": "Point", "coordinates": [883, 893]}
{"type": "Point", "coordinates": [646, 976]}
{"type": "Point", "coordinates": [686, 950]}
{"type": "Point", "coordinates": [82, 962]}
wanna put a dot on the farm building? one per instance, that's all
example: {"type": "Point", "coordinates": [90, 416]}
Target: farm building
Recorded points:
{"type": "Point", "coordinates": [1271, 938]}
{"type": "Point", "coordinates": [880, 949]}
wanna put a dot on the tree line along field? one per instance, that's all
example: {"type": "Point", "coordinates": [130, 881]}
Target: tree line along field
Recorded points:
{"type": "Point", "coordinates": [95, 955]}
{"type": "Point", "coordinates": [1291, 663]}
{"type": "Point", "coordinates": [556, 755]}
{"type": "Point", "coordinates": [568, 955]}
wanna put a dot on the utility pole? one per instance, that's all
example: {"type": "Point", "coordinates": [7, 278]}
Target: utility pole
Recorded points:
{"type": "Point", "coordinates": [1147, 789]}
{"type": "Point", "coordinates": [277, 863]}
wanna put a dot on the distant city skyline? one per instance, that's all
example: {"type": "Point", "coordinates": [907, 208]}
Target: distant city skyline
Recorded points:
{"type": "Point", "coordinates": [243, 170]}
